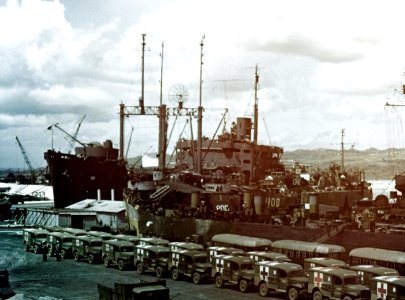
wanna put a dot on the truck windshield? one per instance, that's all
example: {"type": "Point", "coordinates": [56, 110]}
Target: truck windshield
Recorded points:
{"type": "Point", "coordinates": [200, 259]}
{"type": "Point", "coordinates": [352, 280]}
{"type": "Point", "coordinates": [127, 249]}
{"type": "Point", "coordinates": [296, 273]}
{"type": "Point", "coordinates": [246, 266]}
{"type": "Point", "coordinates": [163, 254]}
{"type": "Point", "coordinates": [95, 244]}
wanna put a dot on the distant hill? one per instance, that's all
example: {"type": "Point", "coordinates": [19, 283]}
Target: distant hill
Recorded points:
{"type": "Point", "coordinates": [377, 164]}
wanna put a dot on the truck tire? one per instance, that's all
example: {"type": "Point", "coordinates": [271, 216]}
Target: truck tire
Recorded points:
{"type": "Point", "coordinates": [106, 262]}
{"type": "Point", "coordinates": [91, 258]}
{"type": "Point", "coordinates": [36, 249]}
{"type": "Point", "coordinates": [139, 268]}
{"type": "Point", "coordinates": [121, 265]}
{"type": "Point", "coordinates": [219, 282]}
{"type": "Point", "coordinates": [243, 285]}
{"type": "Point", "coordinates": [77, 256]}
{"type": "Point", "coordinates": [62, 253]}
{"type": "Point", "coordinates": [293, 294]}
{"type": "Point", "coordinates": [196, 277]}
{"type": "Point", "coordinates": [263, 289]}
{"type": "Point", "coordinates": [317, 295]}
{"type": "Point", "coordinates": [159, 272]}
{"type": "Point", "coordinates": [346, 297]}
{"type": "Point", "coordinates": [175, 274]}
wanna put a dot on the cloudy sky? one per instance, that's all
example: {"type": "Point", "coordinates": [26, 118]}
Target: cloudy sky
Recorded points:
{"type": "Point", "coordinates": [324, 66]}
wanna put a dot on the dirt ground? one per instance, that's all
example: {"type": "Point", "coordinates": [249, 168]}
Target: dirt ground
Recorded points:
{"type": "Point", "coordinates": [31, 278]}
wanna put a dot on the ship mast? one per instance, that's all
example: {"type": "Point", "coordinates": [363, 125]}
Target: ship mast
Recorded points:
{"type": "Point", "coordinates": [256, 109]}
{"type": "Point", "coordinates": [162, 123]}
{"type": "Point", "coordinates": [343, 150]}
{"type": "Point", "coordinates": [199, 117]}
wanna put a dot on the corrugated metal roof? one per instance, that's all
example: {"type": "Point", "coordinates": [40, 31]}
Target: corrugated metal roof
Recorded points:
{"type": "Point", "coordinates": [29, 189]}
{"type": "Point", "coordinates": [99, 205]}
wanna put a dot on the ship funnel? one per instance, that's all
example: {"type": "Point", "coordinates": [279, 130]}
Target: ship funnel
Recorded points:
{"type": "Point", "coordinates": [243, 128]}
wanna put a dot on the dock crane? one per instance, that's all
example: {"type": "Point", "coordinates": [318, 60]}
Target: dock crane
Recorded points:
{"type": "Point", "coordinates": [73, 138]}
{"type": "Point", "coordinates": [27, 161]}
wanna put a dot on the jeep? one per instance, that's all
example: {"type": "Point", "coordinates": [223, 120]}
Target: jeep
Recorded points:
{"type": "Point", "coordinates": [87, 247]}
{"type": "Point", "coordinates": [34, 239]}
{"type": "Point", "coordinates": [118, 252]}
{"type": "Point", "coordinates": [282, 277]}
{"type": "Point", "coordinates": [233, 269]}
{"type": "Point", "coordinates": [148, 257]}
{"type": "Point", "coordinates": [65, 241]}
{"type": "Point", "coordinates": [335, 283]}
{"type": "Point", "coordinates": [188, 263]}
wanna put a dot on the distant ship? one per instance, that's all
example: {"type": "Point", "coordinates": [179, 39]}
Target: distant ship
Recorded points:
{"type": "Point", "coordinates": [93, 172]}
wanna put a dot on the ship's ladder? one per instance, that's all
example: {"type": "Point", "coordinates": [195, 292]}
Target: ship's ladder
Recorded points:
{"type": "Point", "coordinates": [160, 193]}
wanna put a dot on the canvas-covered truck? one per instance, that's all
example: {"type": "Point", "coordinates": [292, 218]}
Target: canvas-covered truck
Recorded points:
{"type": "Point", "coordinates": [148, 257]}
{"type": "Point", "coordinates": [193, 264]}
{"type": "Point", "coordinates": [238, 270]}
{"type": "Point", "coordinates": [34, 239]}
{"type": "Point", "coordinates": [87, 247]}
{"type": "Point", "coordinates": [336, 284]}
{"type": "Point", "coordinates": [282, 277]}
{"type": "Point", "coordinates": [118, 252]}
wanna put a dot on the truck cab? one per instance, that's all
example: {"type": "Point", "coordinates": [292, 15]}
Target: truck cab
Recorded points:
{"type": "Point", "coordinates": [189, 263]}
{"type": "Point", "coordinates": [148, 257]}
{"type": "Point", "coordinates": [34, 239]}
{"type": "Point", "coordinates": [118, 252]}
{"type": "Point", "coordinates": [336, 284]}
{"type": "Point", "coordinates": [314, 262]}
{"type": "Point", "coordinates": [174, 246]}
{"type": "Point", "coordinates": [233, 269]}
{"type": "Point", "coordinates": [87, 247]}
{"type": "Point", "coordinates": [219, 250]}
{"type": "Point", "coordinates": [284, 277]}
{"type": "Point", "coordinates": [154, 241]}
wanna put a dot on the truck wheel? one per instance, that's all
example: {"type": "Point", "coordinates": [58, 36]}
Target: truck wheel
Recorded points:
{"type": "Point", "coordinates": [50, 251]}
{"type": "Point", "coordinates": [175, 274]}
{"type": "Point", "coordinates": [196, 277]}
{"type": "Point", "coordinates": [159, 272]}
{"type": "Point", "coordinates": [263, 289]}
{"type": "Point", "coordinates": [347, 298]}
{"type": "Point", "coordinates": [77, 256]}
{"type": "Point", "coordinates": [62, 253]}
{"type": "Point", "coordinates": [317, 295]}
{"type": "Point", "coordinates": [293, 294]}
{"type": "Point", "coordinates": [121, 265]}
{"type": "Point", "coordinates": [36, 249]}
{"type": "Point", "coordinates": [106, 262]}
{"type": "Point", "coordinates": [243, 285]}
{"type": "Point", "coordinates": [219, 282]}
{"type": "Point", "coordinates": [91, 258]}
{"type": "Point", "coordinates": [27, 248]}
{"type": "Point", "coordinates": [139, 268]}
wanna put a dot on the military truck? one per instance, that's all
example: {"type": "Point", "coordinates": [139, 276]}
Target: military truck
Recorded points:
{"type": "Point", "coordinates": [219, 250]}
{"type": "Point", "coordinates": [337, 284]}
{"type": "Point", "coordinates": [189, 263]}
{"type": "Point", "coordinates": [148, 257]}
{"type": "Point", "coordinates": [367, 272]}
{"type": "Point", "coordinates": [100, 234]}
{"type": "Point", "coordinates": [154, 241]}
{"type": "Point", "coordinates": [34, 239]}
{"type": "Point", "coordinates": [233, 269]}
{"type": "Point", "coordinates": [118, 252]}
{"type": "Point", "coordinates": [282, 277]}
{"type": "Point", "coordinates": [268, 256]}
{"type": "Point", "coordinates": [174, 246]}
{"type": "Point", "coordinates": [87, 247]}
{"type": "Point", "coordinates": [388, 287]}
{"type": "Point", "coordinates": [65, 241]}
{"type": "Point", "coordinates": [126, 237]}
{"type": "Point", "coordinates": [314, 262]}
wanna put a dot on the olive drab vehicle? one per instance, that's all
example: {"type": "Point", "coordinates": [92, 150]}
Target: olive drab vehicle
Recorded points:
{"type": "Point", "coordinates": [219, 250]}
{"type": "Point", "coordinates": [268, 256]}
{"type": "Point", "coordinates": [282, 277]}
{"type": "Point", "coordinates": [87, 247]}
{"type": "Point", "coordinates": [118, 252]}
{"type": "Point", "coordinates": [337, 284]}
{"type": "Point", "coordinates": [367, 272]}
{"type": "Point", "coordinates": [65, 241]}
{"type": "Point", "coordinates": [314, 262]}
{"type": "Point", "coordinates": [174, 246]}
{"type": "Point", "coordinates": [148, 257]}
{"type": "Point", "coordinates": [188, 263]}
{"type": "Point", "coordinates": [34, 239]}
{"type": "Point", "coordinates": [388, 288]}
{"type": "Point", "coordinates": [154, 241]}
{"type": "Point", "coordinates": [233, 269]}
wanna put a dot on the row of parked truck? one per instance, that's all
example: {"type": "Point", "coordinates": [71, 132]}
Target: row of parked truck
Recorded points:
{"type": "Point", "coordinates": [262, 271]}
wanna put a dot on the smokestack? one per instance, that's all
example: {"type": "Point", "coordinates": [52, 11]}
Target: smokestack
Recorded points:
{"type": "Point", "coordinates": [98, 194]}
{"type": "Point", "coordinates": [112, 195]}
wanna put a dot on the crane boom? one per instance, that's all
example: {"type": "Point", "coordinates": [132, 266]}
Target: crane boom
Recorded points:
{"type": "Point", "coordinates": [27, 161]}
{"type": "Point", "coordinates": [74, 136]}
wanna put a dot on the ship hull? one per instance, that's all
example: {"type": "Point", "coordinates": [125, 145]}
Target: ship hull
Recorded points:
{"type": "Point", "coordinates": [75, 178]}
